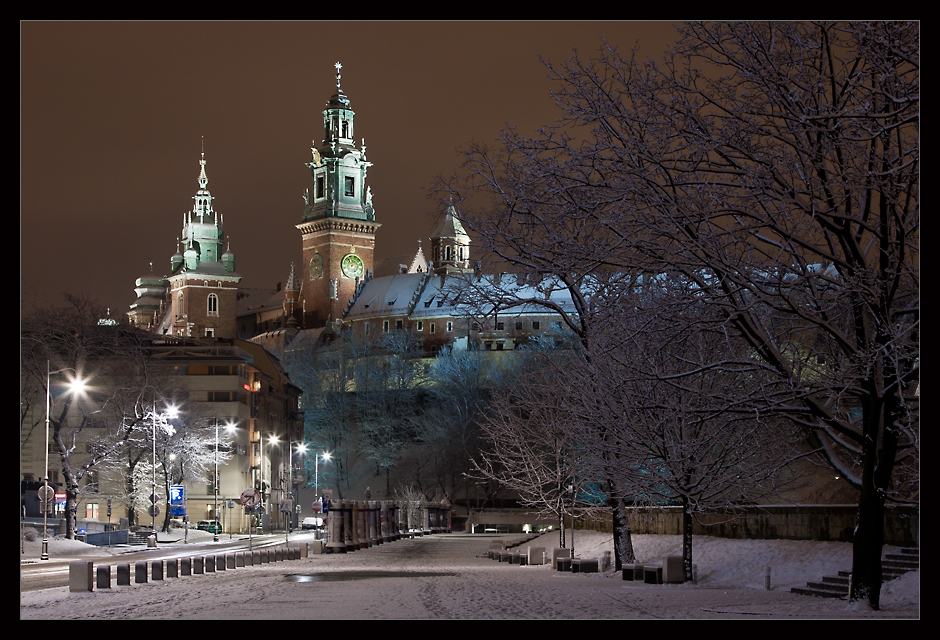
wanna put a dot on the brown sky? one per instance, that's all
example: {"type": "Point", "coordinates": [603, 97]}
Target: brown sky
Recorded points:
{"type": "Point", "coordinates": [113, 114]}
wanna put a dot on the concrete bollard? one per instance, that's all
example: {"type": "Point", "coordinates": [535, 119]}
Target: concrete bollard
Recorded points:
{"type": "Point", "coordinates": [278, 554]}
{"type": "Point", "coordinates": [229, 560]}
{"type": "Point", "coordinates": [124, 574]}
{"type": "Point", "coordinates": [186, 566]}
{"type": "Point", "coordinates": [220, 562]}
{"type": "Point", "coordinates": [81, 576]}
{"type": "Point", "coordinates": [239, 559]}
{"type": "Point", "coordinates": [559, 552]}
{"type": "Point", "coordinates": [536, 555]}
{"type": "Point", "coordinates": [210, 564]}
{"type": "Point", "coordinates": [140, 572]}
{"type": "Point", "coordinates": [633, 572]}
{"type": "Point", "coordinates": [156, 570]}
{"type": "Point", "coordinates": [198, 563]}
{"type": "Point", "coordinates": [256, 556]}
{"type": "Point", "coordinates": [104, 577]}
{"type": "Point", "coordinates": [673, 570]}
{"type": "Point", "coordinates": [172, 568]}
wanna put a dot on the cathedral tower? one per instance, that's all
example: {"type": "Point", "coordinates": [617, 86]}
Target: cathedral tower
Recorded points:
{"type": "Point", "coordinates": [338, 226]}
{"type": "Point", "coordinates": [450, 245]}
{"type": "Point", "coordinates": [203, 282]}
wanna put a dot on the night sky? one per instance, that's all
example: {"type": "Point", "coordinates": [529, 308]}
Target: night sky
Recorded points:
{"type": "Point", "coordinates": [113, 116]}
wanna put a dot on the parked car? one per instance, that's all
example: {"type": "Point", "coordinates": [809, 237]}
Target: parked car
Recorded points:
{"type": "Point", "coordinates": [212, 526]}
{"type": "Point", "coordinates": [312, 523]}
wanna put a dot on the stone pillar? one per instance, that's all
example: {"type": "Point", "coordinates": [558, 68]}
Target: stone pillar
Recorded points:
{"type": "Point", "coordinates": [349, 534]}
{"type": "Point", "coordinates": [81, 576]}
{"type": "Point", "coordinates": [335, 522]}
{"type": "Point", "coordinates": [104, 576]}
{"type": "Point", "coordinates": [354, 540]}
{"type": "Point", "coordinates": [140, 571]}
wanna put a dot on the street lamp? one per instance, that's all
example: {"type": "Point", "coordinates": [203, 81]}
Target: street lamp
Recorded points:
{"type": "Point", "coordinates": [77, 385]}
{"type": "Point", "coordinates": [316, 481]}
{"type": "Point", "coordinates": [301, 449]}
{"type": "Point", "coordinates": [230, 427]}
{"type": "Point", "coordinates": [272, 440]}
{"type": "Point", "coordinates": [171, 412]}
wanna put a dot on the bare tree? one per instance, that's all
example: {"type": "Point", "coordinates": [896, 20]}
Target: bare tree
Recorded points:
{"type": "Point", "coordinates": [531, 438]}
{"type": "Point", "coordinates": [776, 165]}
{"type": "Point", "coordinates": [692, 418]}
{"type": "Point", "coordinates": [86, 430]}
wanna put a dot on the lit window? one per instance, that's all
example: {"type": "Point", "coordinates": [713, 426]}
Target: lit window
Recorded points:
{"type": "Point", "coordinates": [420, 325]}
{"type": "Point", "coordinates": [450, 326]}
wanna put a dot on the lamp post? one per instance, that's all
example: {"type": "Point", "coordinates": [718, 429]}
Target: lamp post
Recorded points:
{"type": "Point", "coordinates": [171, 413]}
{"type": "Point", "coordinates": [301, 449]}
{"type": "Point", "coordinates": [316, 481]}
{"type": "Point", "coordinates": [230, 427]}
{"type": "Point", "coordinates": [273, 440]}
{"type": "Point", "coordinates": [48, 495]}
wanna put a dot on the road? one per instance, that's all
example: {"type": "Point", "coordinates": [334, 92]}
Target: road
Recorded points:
{"type": "Point", "coordinates": [35, 575]}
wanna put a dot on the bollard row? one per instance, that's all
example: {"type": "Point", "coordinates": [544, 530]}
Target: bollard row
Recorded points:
{"type": "Point", "coordinates": [84, 577]}
{"type": "Point", "coordinates": [360, 524]}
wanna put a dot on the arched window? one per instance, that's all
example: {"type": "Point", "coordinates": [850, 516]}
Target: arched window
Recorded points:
{"type": "Point", "coordinates": [212, 307]}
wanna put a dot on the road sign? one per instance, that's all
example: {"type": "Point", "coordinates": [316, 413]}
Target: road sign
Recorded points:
{"type": "Point", "coordinates": [251, 497]}
{"type": "Point", "coordinates": [287, 506]}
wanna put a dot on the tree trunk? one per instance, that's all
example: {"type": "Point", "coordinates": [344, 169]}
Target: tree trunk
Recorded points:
{"type": "Point", "coordinates": [687, 538]}
{"type": "Point", "coordinates": [623, 539]}
{"type": "Point", "coordinates": [868, 539]}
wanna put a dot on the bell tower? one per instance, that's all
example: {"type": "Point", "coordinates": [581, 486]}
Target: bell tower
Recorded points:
{"type": "Point", "coordinates": [203, 283]}
{"type": "Point", "coordinates": [338, 225]}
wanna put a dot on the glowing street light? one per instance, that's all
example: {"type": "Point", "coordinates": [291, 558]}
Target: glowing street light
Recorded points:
{"type": "Point", "coordinates": [229, 427]}
{"type": "Point", "coordinates": [76, 386]}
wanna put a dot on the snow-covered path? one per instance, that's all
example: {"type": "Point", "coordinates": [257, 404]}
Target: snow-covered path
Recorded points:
{"type": "Point", "coordinates": [450, 577]}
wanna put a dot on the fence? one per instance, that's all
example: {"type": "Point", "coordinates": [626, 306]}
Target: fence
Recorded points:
{"type": "Point", "coordinates": [799, 522]}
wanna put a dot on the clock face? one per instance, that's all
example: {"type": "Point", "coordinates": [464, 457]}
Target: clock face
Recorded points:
{"type": "Point", "coordinates": [352, 266]}
{"type": "Point", "coordinates": [316, 266]}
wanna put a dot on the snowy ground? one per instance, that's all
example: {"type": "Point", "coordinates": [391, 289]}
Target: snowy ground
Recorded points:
{"type": "Point", "coordinates": [449, 577]}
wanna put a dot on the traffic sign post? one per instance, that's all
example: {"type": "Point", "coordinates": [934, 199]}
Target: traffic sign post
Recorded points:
{"type": "Point", "coordinates": [250, 498]}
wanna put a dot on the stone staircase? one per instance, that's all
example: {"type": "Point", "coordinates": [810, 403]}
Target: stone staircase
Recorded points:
{"type": "Point", "coordinates": [140, 536]}
{"type": "Point", "coordinates": [892, 566]}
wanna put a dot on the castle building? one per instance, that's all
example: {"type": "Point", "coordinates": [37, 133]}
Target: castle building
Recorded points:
{"type": "Point", "coordinates": [337, 284]}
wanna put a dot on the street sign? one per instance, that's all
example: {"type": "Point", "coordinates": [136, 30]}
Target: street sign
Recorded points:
{"type": "Point", "coordinates": [287, 506]}
{"type": "Point", "coordinates": [177, 501]}
{"type": "Point", "coordinates": [251, 497]}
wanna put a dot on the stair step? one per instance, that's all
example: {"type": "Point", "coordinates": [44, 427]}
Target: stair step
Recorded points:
{"type": "Point", "coordinates": [818, 593]}
{"type": "Point", "coordinates": [827, 586]}
{"type": "Point", "coordinates": [892, 566]}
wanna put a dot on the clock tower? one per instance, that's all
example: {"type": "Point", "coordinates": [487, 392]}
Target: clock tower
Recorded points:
{"type": "Point", "coordinates": [338, 225]}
